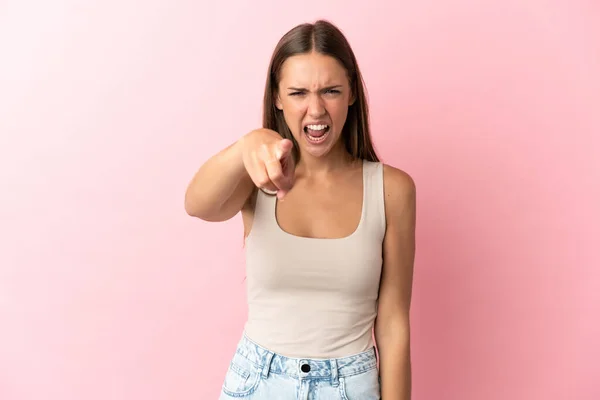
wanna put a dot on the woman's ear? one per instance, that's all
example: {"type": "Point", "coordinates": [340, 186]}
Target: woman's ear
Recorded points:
{"type": "Point", "coordinates": [352, 98]}
{"type": "Point", "coordinates": [277, 101]}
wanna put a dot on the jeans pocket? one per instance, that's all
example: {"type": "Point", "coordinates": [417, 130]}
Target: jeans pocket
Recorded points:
{"type": "Point", "coordinates": [241, 379]}
{"type": "Point", "coordinates": [362, 386]}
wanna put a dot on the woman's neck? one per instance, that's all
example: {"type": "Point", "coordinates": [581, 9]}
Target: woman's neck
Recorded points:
{"type": "Point", "coordinates": [337, 159]}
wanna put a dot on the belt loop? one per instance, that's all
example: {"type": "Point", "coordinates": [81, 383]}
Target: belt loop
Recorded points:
{"type": "Point", "coordinates": [267, 364]}
{"type": "Point", "coordinates": [334, 372]}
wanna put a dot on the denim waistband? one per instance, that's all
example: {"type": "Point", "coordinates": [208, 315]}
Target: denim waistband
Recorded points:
{"type": "Point", "coordinates": [333, 368]}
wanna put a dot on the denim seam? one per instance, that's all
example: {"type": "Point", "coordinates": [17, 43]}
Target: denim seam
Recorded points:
{"type": "Point", "coordinates": [238, 369]}
{"type": "Point", "coordinates": [359, 371]}
{"type": "Point", "coordinates": [249, 360]}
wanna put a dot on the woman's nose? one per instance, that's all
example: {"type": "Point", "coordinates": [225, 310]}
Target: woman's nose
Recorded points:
{"type": "Point", "coordinates": [315, 106]}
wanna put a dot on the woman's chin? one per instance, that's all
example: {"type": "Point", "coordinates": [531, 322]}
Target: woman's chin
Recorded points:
{"type": "Point", "coordinates": [317, 151]}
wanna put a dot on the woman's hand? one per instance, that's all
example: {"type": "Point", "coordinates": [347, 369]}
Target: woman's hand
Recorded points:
{"type": "Point", "coordinates": [268, 160]}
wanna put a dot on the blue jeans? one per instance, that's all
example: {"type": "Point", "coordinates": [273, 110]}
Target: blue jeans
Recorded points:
{"type": "Point", "coordinates": [259, 374]}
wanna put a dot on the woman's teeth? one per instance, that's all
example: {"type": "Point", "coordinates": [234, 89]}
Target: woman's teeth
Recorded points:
{"type": "Point", "coordinates": [316, 133]}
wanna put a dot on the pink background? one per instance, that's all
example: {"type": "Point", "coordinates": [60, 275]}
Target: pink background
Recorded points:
{"type": "Point", "coordinates": [108, 290]}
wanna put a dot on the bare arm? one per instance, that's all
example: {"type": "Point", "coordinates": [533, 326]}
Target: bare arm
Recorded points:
{"type": "Point", "coordinates": [392, 326]}
{"type": "Point", "coordinates": [221, 186]}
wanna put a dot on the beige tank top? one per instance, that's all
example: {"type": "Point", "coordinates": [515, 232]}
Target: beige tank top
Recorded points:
{"type": "Point", "coordinates": [315, 298]}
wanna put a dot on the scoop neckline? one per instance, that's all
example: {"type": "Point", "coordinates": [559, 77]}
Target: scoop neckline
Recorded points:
{"type": "Point", "coordinates": [347, 237]}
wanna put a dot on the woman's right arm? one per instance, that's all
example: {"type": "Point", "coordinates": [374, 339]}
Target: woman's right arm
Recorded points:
{"type": "Point", "coordinates": [223, 184]}
{"type": "Point", "coordinates": [220, 187]}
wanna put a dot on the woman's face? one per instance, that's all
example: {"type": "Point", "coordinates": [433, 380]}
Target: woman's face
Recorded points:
{"type": "Point", "coordinates": [314, 94]}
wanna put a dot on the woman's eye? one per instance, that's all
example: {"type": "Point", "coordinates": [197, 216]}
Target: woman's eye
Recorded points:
{"type": "Point", "coordinates": [329, 91]}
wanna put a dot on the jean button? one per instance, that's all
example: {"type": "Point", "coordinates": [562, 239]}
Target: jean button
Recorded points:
{"type": "Point", "coordinates": [305, 368]}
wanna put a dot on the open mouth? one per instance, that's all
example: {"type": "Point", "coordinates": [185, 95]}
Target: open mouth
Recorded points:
{"type": "Point", "coordinates": [316, 133]}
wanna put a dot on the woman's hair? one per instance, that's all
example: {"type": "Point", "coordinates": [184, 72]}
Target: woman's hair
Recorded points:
{"type": "Point", "coordinates": [324, 38]}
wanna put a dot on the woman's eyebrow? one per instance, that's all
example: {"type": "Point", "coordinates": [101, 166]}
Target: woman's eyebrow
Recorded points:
{"type": "Point", "coordinates": [325, 88]}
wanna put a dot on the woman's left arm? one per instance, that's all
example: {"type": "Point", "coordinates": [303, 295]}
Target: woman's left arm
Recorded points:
{"type": "Point", "coordinates": [392, 326]}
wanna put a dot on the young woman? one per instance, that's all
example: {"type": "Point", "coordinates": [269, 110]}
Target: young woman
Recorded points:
{"type": "Point", "coordinates": [329, 229]}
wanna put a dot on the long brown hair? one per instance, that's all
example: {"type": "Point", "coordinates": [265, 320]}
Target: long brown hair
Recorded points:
{"type": "Point", "coordinates": [324, 38]}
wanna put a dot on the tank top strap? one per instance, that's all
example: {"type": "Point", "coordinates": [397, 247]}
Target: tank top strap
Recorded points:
{"type": "Point", "coordinates": [374, 202]}
{"type": "Point", "coordinates": [264, 212]}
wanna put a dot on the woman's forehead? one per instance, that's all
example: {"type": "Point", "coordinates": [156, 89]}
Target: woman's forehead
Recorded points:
{"type": "Point", "coordinates": [313, 64]}
{"type": "Point", "coordinates": [310, 70]}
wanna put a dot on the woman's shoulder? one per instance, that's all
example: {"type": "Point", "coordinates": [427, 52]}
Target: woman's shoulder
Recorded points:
{"type": "Point", "coordinates": [399, 187]}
